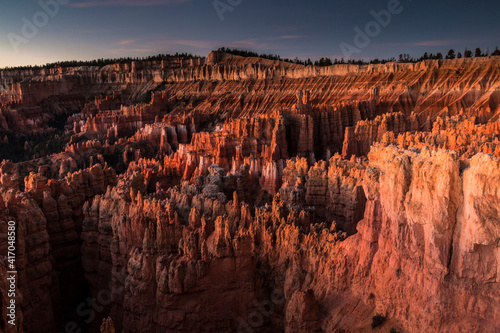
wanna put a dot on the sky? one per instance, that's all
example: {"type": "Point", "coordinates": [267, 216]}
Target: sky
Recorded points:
{"type": "Point", "coordinates": [42, 31]}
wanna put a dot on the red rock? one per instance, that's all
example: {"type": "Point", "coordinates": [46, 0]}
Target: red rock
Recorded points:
{"type": "Point", "coordinates": [107, 326]}
{"type": "Point", "coordinates": [315, 197]}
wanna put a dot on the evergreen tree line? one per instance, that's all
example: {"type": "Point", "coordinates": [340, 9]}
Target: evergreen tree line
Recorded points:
{"type": "Point", "coordinates": [245, 53]}
{"type": "Point", "coordinates": [403, 58]}
{"type": "Point", "coordinates": [103, 62]}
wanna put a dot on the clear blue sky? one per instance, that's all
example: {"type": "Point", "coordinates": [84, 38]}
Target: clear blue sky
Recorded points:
{"type": "Point", "coordinates": [89, 29]}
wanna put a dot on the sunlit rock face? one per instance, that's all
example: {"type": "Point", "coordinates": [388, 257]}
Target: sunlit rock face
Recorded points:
{"type": "Point", "coordinates": [227, 194]}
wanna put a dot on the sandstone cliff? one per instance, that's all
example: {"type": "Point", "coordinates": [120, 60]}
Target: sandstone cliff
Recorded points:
{"type": "Point", "coordinates": [228, 194]}
{"type": "Point", "coordinates": [405, 262]}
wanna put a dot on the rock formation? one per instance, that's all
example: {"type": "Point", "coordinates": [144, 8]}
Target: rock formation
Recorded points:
{"type": "Point", "coordinates": [227, 194]}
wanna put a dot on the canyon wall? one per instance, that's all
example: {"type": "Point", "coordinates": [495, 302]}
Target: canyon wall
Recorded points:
{"type": "Point", "coordinates": [226, 194]}
{"type": "Point", "coordinates": [418, 267]}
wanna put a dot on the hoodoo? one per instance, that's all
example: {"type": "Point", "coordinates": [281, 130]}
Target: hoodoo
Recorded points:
{"type": "Point", "coordinates": [243, 194]}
